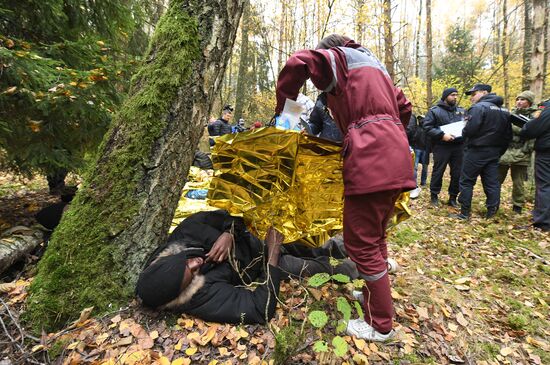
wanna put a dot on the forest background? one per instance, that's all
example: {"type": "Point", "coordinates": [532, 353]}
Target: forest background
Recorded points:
{"type": "Point", "coordinates": [65, 68]}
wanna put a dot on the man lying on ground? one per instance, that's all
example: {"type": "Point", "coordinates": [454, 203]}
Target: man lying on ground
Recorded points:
{"type": "Point", "coordinates": [207, 262]}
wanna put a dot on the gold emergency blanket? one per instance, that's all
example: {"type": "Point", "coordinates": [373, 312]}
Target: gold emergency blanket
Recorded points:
{"type": "Point", "coordinates": [286, 179]}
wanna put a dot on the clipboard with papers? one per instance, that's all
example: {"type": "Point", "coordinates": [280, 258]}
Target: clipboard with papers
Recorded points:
{"type": "Point", "coordinates": [518, 119]}
{"type": "Point", "coordinates": [454, 129]}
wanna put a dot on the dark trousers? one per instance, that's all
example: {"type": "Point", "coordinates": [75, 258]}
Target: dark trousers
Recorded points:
{"type": "Point", "coordinates": [421, 157]}
{"type": "Point", "coordinates": [482, 161]}
{"type": "Point", "coordinates": [541, 214]}
{"type": "Point", "coordinates": [446, 155]}
{"type": "Point", "coordinates": [365, 219]}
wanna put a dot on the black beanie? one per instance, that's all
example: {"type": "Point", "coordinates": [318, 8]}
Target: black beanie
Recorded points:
{"type": "Point", "coordinates": [161, 281]}
{"type": "Point", "coordinates": [448, 92]}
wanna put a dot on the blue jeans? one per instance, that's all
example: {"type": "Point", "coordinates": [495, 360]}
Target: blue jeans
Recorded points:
{"type": "Point", "coordinates": [420, 156]}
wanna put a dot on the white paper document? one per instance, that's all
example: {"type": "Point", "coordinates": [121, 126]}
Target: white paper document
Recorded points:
{"type": "Point", "coordinates": [454, 129]}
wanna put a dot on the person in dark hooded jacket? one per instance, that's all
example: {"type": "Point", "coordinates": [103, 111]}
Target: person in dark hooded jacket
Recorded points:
{"type": "Point", "coordinates": [488, 132]}
{"type": "Point", "coordinates": [207, 261]}
{"type": "Point", "coordinates": [446, 149]}
{"type": "Point", "coordinates": [539, 128]}
{"type": "Point", "coordinates": [321, 123]}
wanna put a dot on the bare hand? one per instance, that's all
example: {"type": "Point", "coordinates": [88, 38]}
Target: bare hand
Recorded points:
{"type": "Point", "coordinates": [448, 137]}
{"type": "Point", "coordinates": [273, 240]}
{"type": "Point", "coordinates": [220, 249]}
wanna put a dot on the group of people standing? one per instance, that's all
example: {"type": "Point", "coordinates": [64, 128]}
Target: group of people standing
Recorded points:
{"type": "Point", "coordinates": [489, 147]}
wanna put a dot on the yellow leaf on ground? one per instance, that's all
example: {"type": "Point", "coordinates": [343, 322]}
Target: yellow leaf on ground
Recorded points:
{"type": "Point", "coordinates": [73, 345]}
{"type": "Point", "coordinates": [453, 327]}
{"type": "Point", "coordinates": [101, 338]}
{"type": "Point", "coordinates": [505, 351]}
{"type": "Point", "coordinates": [462, 287]}
{"type": "Point", "coordinates": [213, 362]}
{"type": "Point", "coordinates": [186, 322]}
{"type": "Point", "coordinates": [193, 336]}
{"type": "Point", "coordinates": [182, 361]}
{"type": "Point", "coordinates": [7, 287]}
{"type": "Point", "coordinates": [395, 295]}
{"type": "Point", "coordinates": [360, 359]}
{"type": "Point", "coordinates": [191, 351]}
{"type": "Point", "coordinates": [37, 348]}
{"type": "Point", "coordinates": [209, 335]}
{"type": "Point", "coordinates": [154, 335]}
{"type": "Point", "coordinates": [136, 357]}
{"type": "Point", "coordinates": [373, 347]}
{"type": "Point", "coordinates": [463, 280]}
{"type": "Point", "coordinates": [461, 320]}
{"type": "Point", "coordinates": [422, 313]}
{"type": "Point", "coordinates": [177, 346]}
{"type": "Point", "coordinates": [530, 340]}
{"type": "Point", "coordinates": [223, 351]}
{"type": "Point", "coordinates": [163, 360]}
{"type": "Point", "coordinates": [359, 343]}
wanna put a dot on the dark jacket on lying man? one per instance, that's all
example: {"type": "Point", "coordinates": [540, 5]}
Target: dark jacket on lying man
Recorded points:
{"type": "Point", "coordinates": [217, 293]}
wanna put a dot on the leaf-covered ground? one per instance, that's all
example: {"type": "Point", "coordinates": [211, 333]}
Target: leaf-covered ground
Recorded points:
{"type": "Point", "coordinates": [473, 293]}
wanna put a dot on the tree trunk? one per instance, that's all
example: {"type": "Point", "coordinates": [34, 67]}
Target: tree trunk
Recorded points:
{"type": "Point", "coordinates": [129, 196]}
{"type": "Point", "coordinates": [417, 42]}
{"type": "Point", "coordinates": [547, 49]}
{"type": "Point", "coordinates": [242, 77]}
{"type": "Point", "coordinates": [429, 53]}
{"type": "Point", "coordinates": [504, 51]}
{"type": "Point", "coordinates": [538, 48]}
{"type": "Point", "coordinates": [527, 39]}
{"type": "Point", "coordinates": [388, 40]}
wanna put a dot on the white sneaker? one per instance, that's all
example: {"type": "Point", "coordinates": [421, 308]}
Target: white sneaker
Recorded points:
{"type": "Point", "coordinates": [361, 329]}
{"type": "Point", "coordinates": [393, 266]}
{"type": "Point", "coordinates": [415, 193]}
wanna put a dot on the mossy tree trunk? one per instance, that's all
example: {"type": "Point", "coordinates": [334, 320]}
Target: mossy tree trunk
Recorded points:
{"type": "Point", "coordinates": [128, 199]}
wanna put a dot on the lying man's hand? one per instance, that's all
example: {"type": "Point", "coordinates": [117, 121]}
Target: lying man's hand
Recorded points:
{"type": "Point", "coordinates": [273, 240]}
{"type": "Point", "coordinates": [220, 249]}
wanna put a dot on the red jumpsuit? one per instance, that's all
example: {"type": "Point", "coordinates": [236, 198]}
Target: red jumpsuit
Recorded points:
{"type": "Point", "coordinates": [372, 114]}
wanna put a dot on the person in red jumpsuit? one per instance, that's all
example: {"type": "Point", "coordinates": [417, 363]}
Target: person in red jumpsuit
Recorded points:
{"type": "Point", "coordinates": [372, 114]}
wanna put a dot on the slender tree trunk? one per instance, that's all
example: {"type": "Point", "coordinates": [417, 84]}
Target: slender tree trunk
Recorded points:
{"type": "Point", "coordinates": [538, 48]}
{"type": "Point", "coordinates": [504, 51]}
{"type": "Point", "coordinates": [527, 39]}
{"type": "Point", "coordinates": [547, 49]}
{"type": "Point", "coordinates": [417, 41]}
{"type": "Point", "coordinates": [429, 96]}
{"type": "Point", "coordinates": [242, 77]}
{"type": "Point", "coordinates": [282, 24]}
{"type": "Point", "coordinates": [127, 202]}
{"type": "Point", "coordinates": [388, 39]}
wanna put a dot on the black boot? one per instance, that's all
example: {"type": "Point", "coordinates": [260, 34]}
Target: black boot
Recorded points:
{"type": "Point", "coordinates": [491, 212]}
{"type": "Point", "coordinates": [516, 209]}
{"type": "Point", "coordinates": [463, 215]}
{"type": "Point", "coordinates": [434, 200]}
{"type": "Point", "coordinates": [452, 201]}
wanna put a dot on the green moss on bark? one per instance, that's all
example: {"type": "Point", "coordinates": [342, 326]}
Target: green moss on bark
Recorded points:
{"type": "Point", "coordinates": [83, 264]}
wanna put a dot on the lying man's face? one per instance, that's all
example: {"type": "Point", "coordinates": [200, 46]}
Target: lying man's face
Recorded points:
{"type": "Point", "coordinates": [192, 268]}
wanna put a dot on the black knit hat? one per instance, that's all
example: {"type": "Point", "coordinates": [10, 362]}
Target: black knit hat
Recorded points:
{"type": "Point", "coordinates": [448, 92]}
{"type": "Point", "coordinates": [227, 108]}
{"type": "Point", "coordinates": [161, 281]}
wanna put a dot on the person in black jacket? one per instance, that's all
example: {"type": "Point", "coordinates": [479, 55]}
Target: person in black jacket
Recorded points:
{"type": "Point", "coordinates": [488, 133]}
{"type": "Point", "coordinates": [209, 257]}
{"type": "Point", "coordinates": [539, 128]}
{"type": "Point", "coordinates": [446, 148]}
{"type": "Point", "coordinates": [221, 126]}
{"type": "Point", "coordinates": [418, 142]}
{"type": "Point", "coordinates": [321, 123]}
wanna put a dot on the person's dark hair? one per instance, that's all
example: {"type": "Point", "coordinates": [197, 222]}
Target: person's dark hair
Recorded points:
{"type": "Point", "coordinates": [333, 40]}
